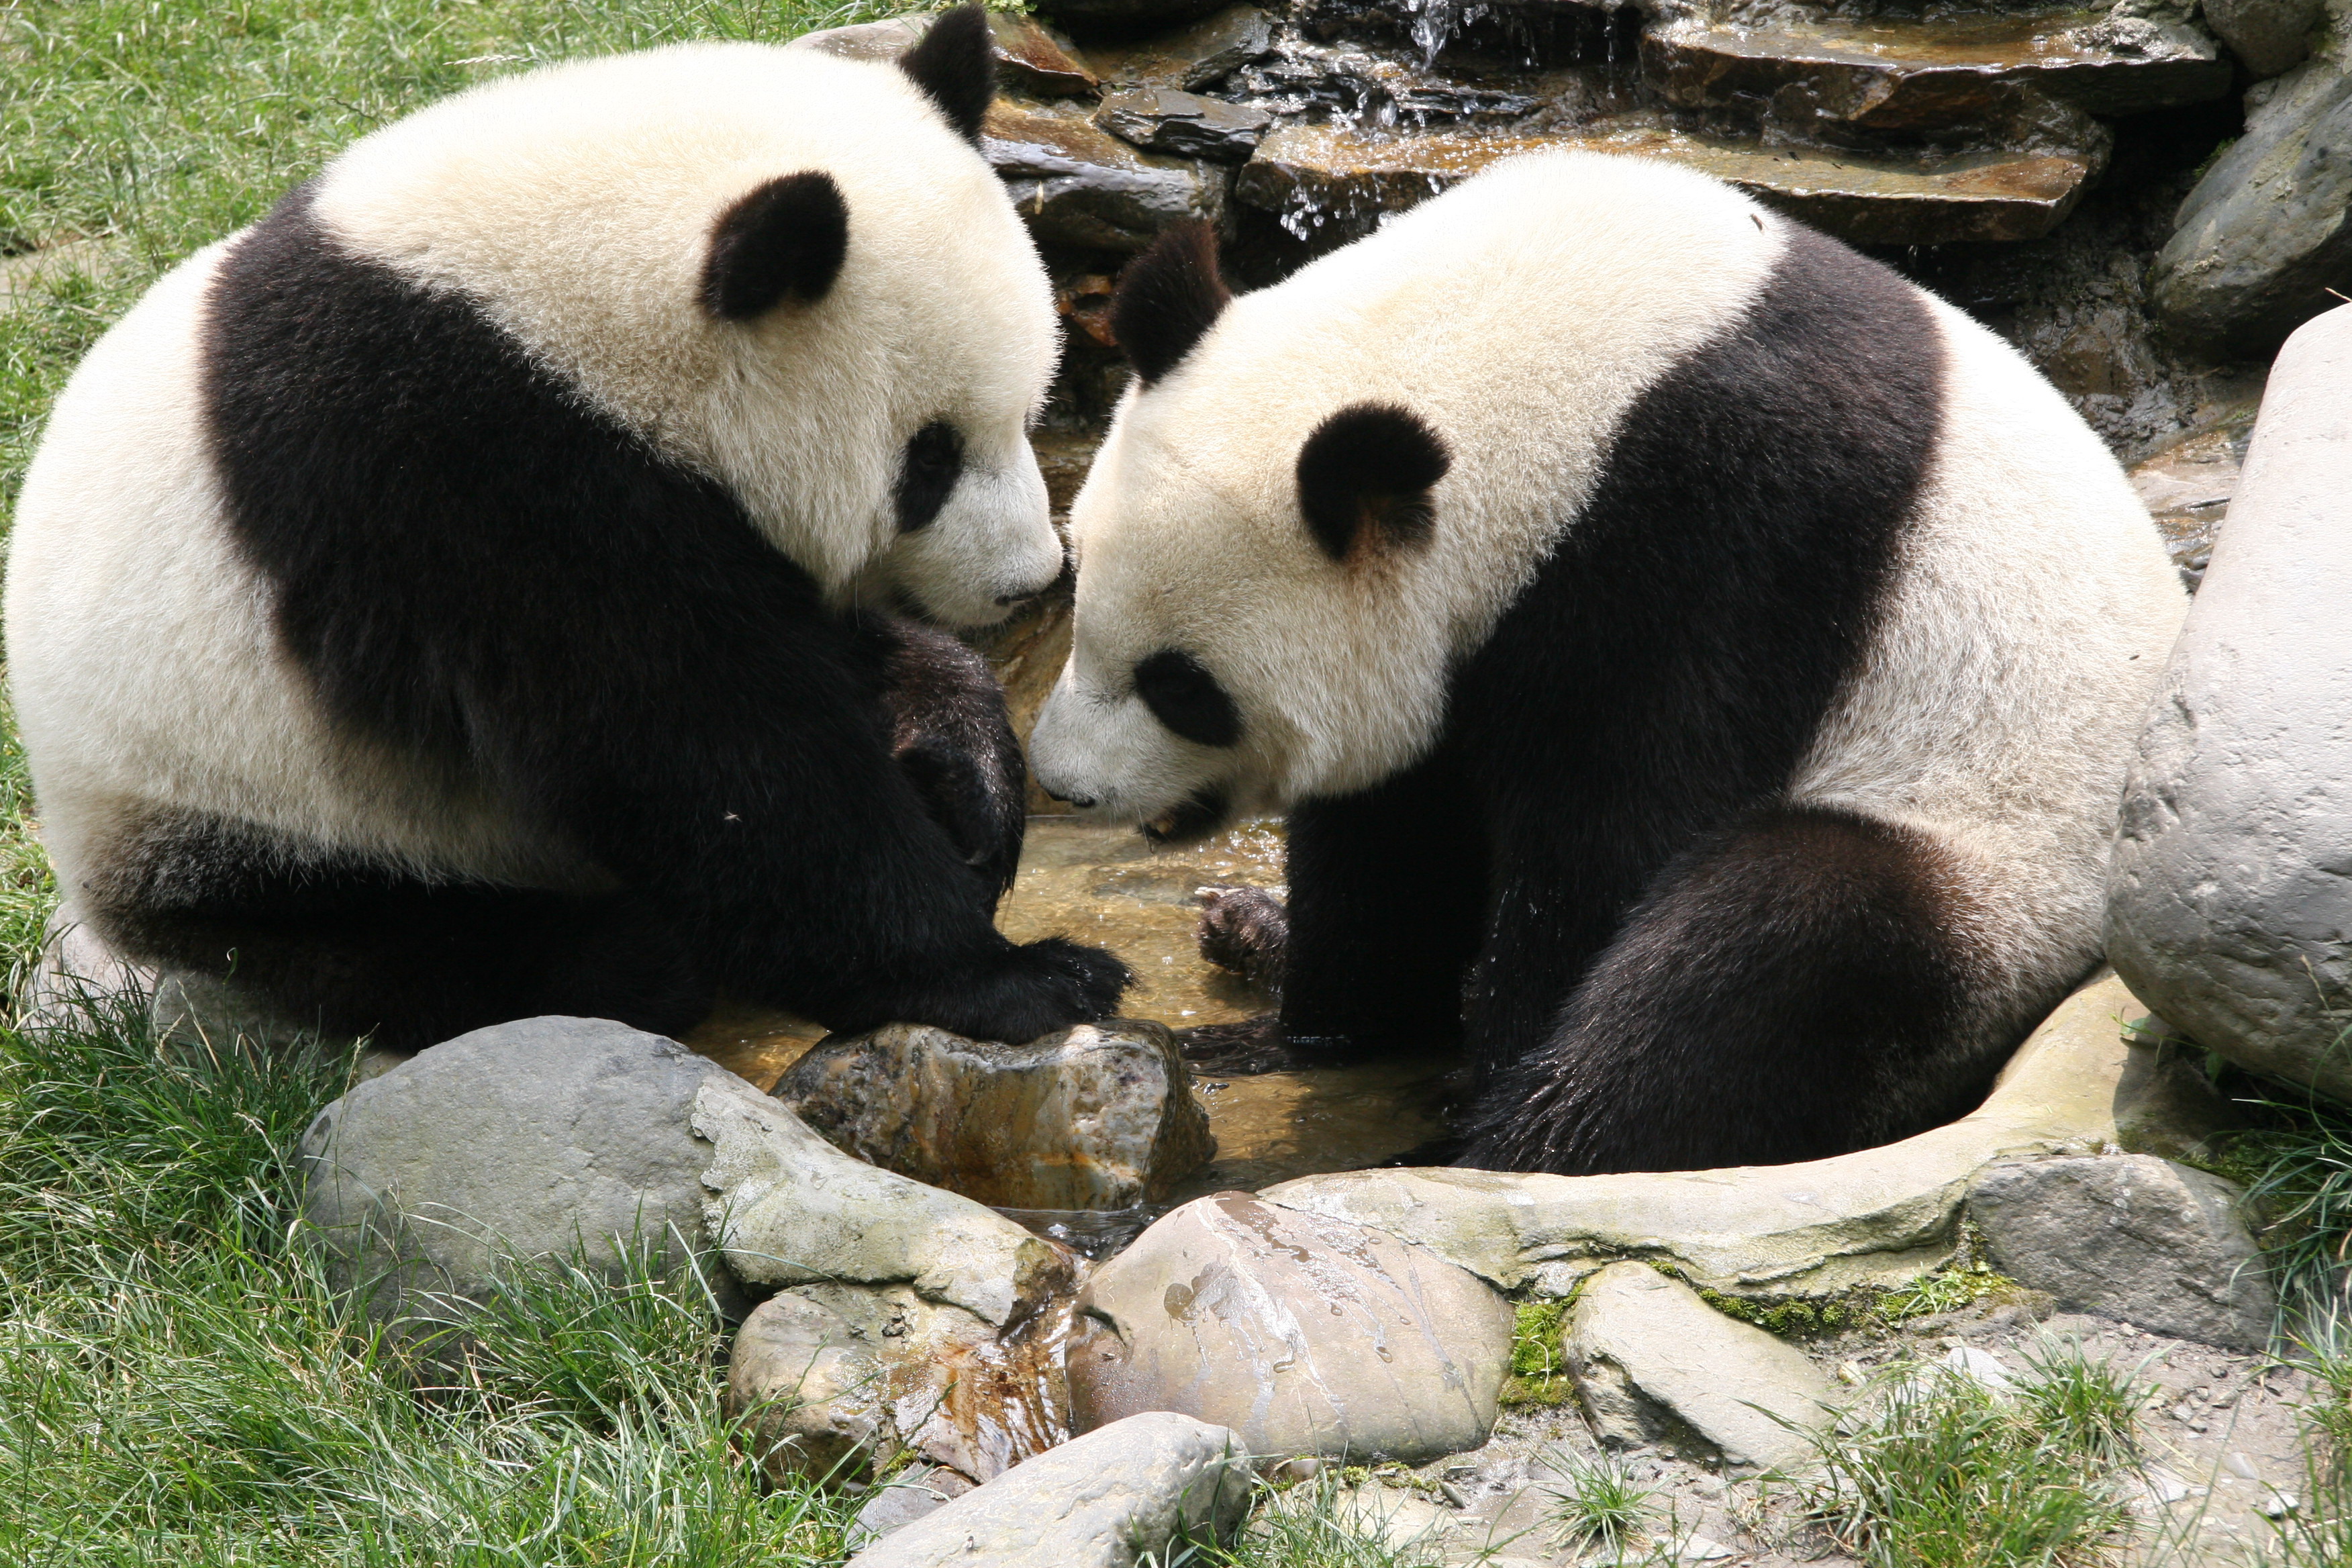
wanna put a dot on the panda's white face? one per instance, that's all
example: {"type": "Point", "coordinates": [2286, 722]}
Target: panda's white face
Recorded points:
{"type": "Point", "coordinates": [578, 205]}
{"type": "Point", "coordinates": [1323, 495]}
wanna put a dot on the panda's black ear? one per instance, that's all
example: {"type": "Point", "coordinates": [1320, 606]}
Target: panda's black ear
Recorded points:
{"type": "Point", "coordinates": [955, 65]}
{"type": "Point", "coordinates": [1365, 477]}
{"type": "Point", "coordinates": [786, 240]}
{"type": "Point", "coordinates": [1167, 299]}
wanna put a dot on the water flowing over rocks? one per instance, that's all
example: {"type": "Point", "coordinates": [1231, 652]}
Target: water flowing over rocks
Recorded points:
{"type": "Point", "coordinates": [2155, 1243]}
{"type": "Point", "coordinates": [1095, 1116]}
{"type": "Point", "coordinates": [1653, 1363]}
{"type": "Point", "coordinates": [1303, 1334]}
{"type": "Point", "coordinates": [1100, 1501]}
{"type": "Point", "coordinates": [2229, 902]}
{"type": "Point", "coordinates": [1079, 187]}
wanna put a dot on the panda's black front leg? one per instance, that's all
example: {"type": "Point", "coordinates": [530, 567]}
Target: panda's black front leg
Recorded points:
{"type": "Point", "coordinates": [951, 736]}
{"type": "Point", "coordinates": [1388, 890]}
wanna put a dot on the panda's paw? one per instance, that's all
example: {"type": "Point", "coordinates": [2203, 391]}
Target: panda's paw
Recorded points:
{"type": "Point", "coordinates": [1087, 981]}
{"type": "Point", "coordinates": [1247, 931]}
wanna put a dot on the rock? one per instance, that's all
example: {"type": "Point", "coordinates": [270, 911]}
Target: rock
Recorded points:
{"type": "Point", "coordinates": [1077, 187]}
{"type": "Point", "coordinates": [2165, 1103]}
{"type": "Point", "coordinates": [916, 1491]}
{"type": "Point", "coordinates": [2264, 235]}
{"type": "Point", "coordinates": [1653, 1363]}
{"type": "Point", "coordinates": [2269, 36]}
{"type": "Point", "coordinates": [1101, 1501]}
{"type": "Point", "coordinates": [1192, 58]}
{"type": "Point", "coordinates": [1123, 15]}
{"type": "Point", "coordinates": [1981, 1367]}
{"type": "Point", "coordinates": [1925, 75]}
{"type": "Point", "coordinates": [77, 974]}
{"type": "Point", "coordinates": [1095, 1116]}
{"type": "Point", "coordinates": [515, 1143]}
{"type": "Point", "coordinates": [1305, 1335]}
{"type": "Point", "coordinates": [867, 40]}
{"type": "Point", "coordinates": [2230, 896]}
{"type": "Point", "coordinates": [549, 1135]}
{"type": "Point", "coordinates": [837, 1379]}
{"type": "Point", "coordinates": [1879, 1216]}
{"type": "Point", "coordinates": [2187, 488]}
{"type": "Point", "coordinates": [1412, 1528]}
{"type": "Point", "coordinates": [1031, 59]}
{"type": "Point", "coordinates": [1315, 176]}
{"type": "Point", "coordinates": [2156, 1245]}
{"type": "Point", "coordinates": [788, 1208]}
{"type": "Point", "coordinates": [1185, 124]}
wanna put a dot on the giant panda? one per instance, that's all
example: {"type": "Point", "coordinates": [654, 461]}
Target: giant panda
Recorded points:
{"type": "Point", "coordinates": [468, 592]}
{"type": "Point", "coordinates": [1698, 666]}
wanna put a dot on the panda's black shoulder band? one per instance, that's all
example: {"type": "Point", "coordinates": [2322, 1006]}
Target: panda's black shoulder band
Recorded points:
{"type": "Point", "coordinates": [1167, 299]}
{"type": "Point", "coordinates": [787, 239]}
{"type": "Point", "coordinates": [955, 65]}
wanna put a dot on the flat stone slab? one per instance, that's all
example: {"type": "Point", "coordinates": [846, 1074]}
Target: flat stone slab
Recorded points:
{"type": "Point", "coordinates": [1102, 1501]}
{"type": "Point", "coordinates": [1885, 73]}
{"type": "Point", "coordinates": [1879, 1216]}
{"type": "Point", "coordinates": [1076, 184]}
{"type": "Point", "coordinates": [1095, 1117]}
{"type": "Point", "coordinates": [1310, 175]}
{"type": "Point", "coordinates": [2230, 895]}
{"type": "Point", "coordinates": [1653, 1363]}
{"type": "Point", "coordinates": [1303, 1334]}
{"type": "Point", "coordinates": [2158, 1245]}
{"type": "Point", "coordinates": [1185, 124]}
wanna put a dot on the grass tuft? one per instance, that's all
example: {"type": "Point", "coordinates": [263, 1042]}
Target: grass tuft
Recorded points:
{"type": "Point", "coordinates": [1599, 1503]}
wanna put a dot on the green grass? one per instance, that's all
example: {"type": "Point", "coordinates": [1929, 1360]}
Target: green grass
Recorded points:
{"type": "Point", "coordinates": [1938, 1471]}
{"type": "Point", "coordinates": [1597, 1503]}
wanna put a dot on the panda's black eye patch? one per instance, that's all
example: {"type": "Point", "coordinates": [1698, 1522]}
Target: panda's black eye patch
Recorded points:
{"type": "Point", "coordinates": [1183, 695]}
{"type": "Point", "coordinates": [928, 474]}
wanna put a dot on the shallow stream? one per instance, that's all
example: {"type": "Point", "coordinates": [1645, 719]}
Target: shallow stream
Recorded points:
{"type": "Point", "coordinates": [1108, 887]}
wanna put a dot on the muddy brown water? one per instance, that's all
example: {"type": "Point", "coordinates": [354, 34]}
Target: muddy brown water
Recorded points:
{"type": "Point", "coordinates": [1108, 887]}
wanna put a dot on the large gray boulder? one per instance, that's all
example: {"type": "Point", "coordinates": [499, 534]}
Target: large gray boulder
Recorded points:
{"type": "Point", "coordinates": [2270, 36]}
{"type": "Point", "coordinates": [557, 1136]}
{"type": "Point", "coordinates": [1305, 1335]}
{"type": "Point", "coordinates": [2267, 233]}
{"type": "Point", "coordinates": [1102, 1501]}
{"type": "Point", "coordinates": [1095, 1117]}
{"type": "Point", "coordinates": [1654, 1364]}
{"type": "Point", "coordinates": [2229, 900]}
{"type": "Point", "coordinates": [2155, 1243]}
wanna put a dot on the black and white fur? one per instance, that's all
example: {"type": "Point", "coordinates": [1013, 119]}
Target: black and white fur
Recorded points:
{"type": "Point", "coordinates": [1698, 665]}
{"type": "Point", "coordinates": [465, 594]}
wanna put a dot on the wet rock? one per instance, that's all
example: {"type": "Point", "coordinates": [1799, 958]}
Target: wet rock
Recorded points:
{"type": "Point", "coordinates": [838, 1379]}
{"type": "Point", "coordinates": [906, 1496]}
{"type": "Point", "coordinates": [785, 1207]}
{"type": "Point", "coordinates": [1185, 124]}
{"type": "Point", "coordinates": [2187, 488]}
{"type": "Point", "coordinates": [1095, 1116]}
{"type": "Point", "coordinates": [1311, 177]}
{"type": "Point", "coordinates": [2230, 896]}
{"type": "Point", "coordinates": [1101, 1501]}
{"type": "Point", "coordinates": [1189, 58]}
{"type": "Point", "coordinates": [1305, 1335]}
{"type": "Point", "coordinates": [1031, 59]}
{"type": "Point", "coordinates": [1878, 1217]}
{"type": "Point", "coordinates": [2269, 36]}
{"type": "Point", "coordinates": [1123, 16]}
{"type": "Point", "coordinates": [512, 1142]}
{"type": "Point", "coordinates": [1938, 75]}
{"type": "Point", "coordinates": [2267, 233]}
{"type": "Point", "coordinates": [1077, 187]}
{"type": "Point", "coordinates": [2155, 1243]}
{"type": "Point", "coordinates": [1653, 1363]}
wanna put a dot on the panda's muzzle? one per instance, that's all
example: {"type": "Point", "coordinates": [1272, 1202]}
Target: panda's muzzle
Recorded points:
{"type": "Point", "coordinates": [1191, 820]}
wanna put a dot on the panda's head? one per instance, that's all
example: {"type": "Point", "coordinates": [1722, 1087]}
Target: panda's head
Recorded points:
{"type": "Point", "coordinates": [1261, 614]}
{"type": "Point", "coordinates": [790, 271]}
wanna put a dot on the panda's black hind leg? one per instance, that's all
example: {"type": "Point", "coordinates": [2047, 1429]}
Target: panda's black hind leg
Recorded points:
{"type": "Point", "coordinates": [334, 943]}
{"type": "Point", "coordinates": [1793, 988]}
